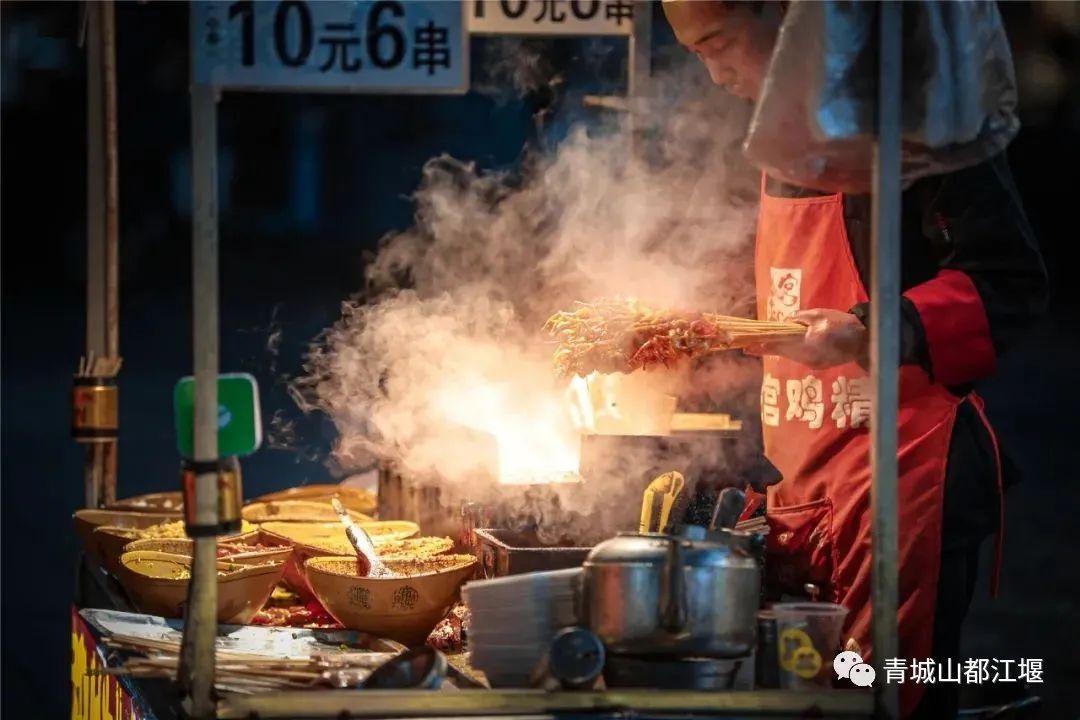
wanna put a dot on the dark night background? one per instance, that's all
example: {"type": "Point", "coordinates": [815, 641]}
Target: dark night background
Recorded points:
{"type": "Point", "coordinates": [309, 183]}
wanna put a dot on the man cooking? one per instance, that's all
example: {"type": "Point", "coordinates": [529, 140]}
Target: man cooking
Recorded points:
{"type": "Point", "coordinates": [973, 281]}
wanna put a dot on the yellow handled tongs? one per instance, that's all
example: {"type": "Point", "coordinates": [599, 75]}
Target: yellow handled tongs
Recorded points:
{"type": "Point", "coordinates": [669, 485]}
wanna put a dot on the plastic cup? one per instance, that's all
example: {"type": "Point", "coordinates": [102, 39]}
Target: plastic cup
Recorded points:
{"type": "Point", "coordinates": [807, 641]}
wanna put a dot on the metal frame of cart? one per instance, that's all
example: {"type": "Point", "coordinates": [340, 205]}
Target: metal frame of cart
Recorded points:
{"type": "Point", "coordinates": [102, 324]}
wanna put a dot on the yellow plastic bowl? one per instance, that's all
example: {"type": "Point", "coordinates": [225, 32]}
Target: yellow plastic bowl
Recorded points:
{"type": "Point", "coordinates": [86, 521]}
{"type": "Point", "coordinates": [112, 542]}
{"type": "Point", "coordinates": [243, 556]}
{"type": "Point", "coordinates": [151, 579]}
{"type": "Point", "coordinates": [296, 511]}
{"type": "Point", "coordinates": [410, 548]}
{"type": "Point", "coordinates": [401, 608]}
{"type": "Point", "coordinates": [322, 539]}
{"type": "Point", "coordinates": [353, 498]}
{"type": "Point", "coordinates": [162, 502]}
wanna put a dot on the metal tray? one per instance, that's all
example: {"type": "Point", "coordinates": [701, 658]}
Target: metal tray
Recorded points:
{"type": "Point", "coordinates": [283, 642]}
{"type": "Point", "coordinates": [499, 558]}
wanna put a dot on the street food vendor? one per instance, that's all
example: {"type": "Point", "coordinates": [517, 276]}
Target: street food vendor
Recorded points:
{"type": "Point", "coordinates": [973, 282]}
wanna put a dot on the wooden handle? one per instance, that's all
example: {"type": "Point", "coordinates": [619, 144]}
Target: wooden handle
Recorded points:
{"type": "Point", "coordinates": [690, 422]}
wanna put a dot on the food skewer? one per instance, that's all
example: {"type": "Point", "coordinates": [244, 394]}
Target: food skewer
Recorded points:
{"type": "Point", "coordinates": [626, 335]}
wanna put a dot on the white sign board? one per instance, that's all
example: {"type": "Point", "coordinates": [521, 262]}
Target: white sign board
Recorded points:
{"type": "Point", "coordinates": [330, 45]}
{"type": "Point", "coordinates": [551, 17]}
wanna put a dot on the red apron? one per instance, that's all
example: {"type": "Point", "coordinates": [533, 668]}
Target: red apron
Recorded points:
{"type": "Point", "coordinates": [815, 426]}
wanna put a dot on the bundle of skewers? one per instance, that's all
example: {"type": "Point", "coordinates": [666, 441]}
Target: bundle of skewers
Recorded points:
{"type": "Point", "coordinates": [247, 673]}
{"type": "Point", "coordinates": [758, 525]}
{"type": "Point", "coordinates": [103, 367]}
{"type": "Point", "coordinates": [625, 335]}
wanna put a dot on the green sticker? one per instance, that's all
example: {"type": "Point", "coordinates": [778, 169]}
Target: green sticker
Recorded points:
{"type": "Point", "coordinates": [239, 418]}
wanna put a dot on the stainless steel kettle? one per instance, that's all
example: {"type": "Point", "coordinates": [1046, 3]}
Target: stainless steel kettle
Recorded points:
{"type": "Point", "coordinates": [650, 594]}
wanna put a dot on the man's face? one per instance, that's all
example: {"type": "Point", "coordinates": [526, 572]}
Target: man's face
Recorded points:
{"type": "Point", "coordinates": [733, 40]}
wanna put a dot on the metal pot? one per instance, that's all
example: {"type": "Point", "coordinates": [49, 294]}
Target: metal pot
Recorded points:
{"type": "Point", "coordinates": [667, 596]}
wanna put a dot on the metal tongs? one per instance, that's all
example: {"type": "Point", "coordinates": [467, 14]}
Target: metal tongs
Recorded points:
{"type": "Point", "coordinates": [729, 505]}
{"type": "Point", "coordinates": [670, 484]}
{"type": "Point", "coordinates": [361, 541]}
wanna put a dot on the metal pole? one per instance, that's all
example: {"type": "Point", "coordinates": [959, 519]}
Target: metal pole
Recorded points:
{"type": "Point", "coordinates": [112, 183]}
{"type": "Point", "coordinates": [885, 352]}
{"type": "Point", "coordinates": [102, 237]}
{"type": "Point", "coordinates": [108, 451]}
{"type": "Point", "coordinates": [96, 275]}
{"type": "Point", "coordinates": [197, 654]}
{"type": "Point", "coordinates": [96, 342]}
{"type": "Point", "coordinates": [640, 65]}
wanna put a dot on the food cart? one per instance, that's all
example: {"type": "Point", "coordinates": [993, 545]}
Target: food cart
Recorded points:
{"type": "Point", "coordinates": [206, 473]}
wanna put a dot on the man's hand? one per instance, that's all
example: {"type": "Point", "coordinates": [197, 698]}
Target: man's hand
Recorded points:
{"type": "Point", "coordinates": [832, 338]}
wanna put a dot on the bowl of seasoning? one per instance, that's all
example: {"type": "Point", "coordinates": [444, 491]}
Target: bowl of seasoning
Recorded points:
{"type": "Point", "coordinates": [157, 583]}
{"type": "Point", "coordinates": [404, 605]}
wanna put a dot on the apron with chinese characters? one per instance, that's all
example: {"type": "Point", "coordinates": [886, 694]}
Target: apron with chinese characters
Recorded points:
{"type": "Point", "coordinates": [815, 426]}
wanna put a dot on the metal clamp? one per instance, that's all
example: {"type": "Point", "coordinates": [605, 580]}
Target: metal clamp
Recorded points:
{"type": "Point", "coordinates": [94, 409]}
{"type": "Point", "coordinates": [229, 496]}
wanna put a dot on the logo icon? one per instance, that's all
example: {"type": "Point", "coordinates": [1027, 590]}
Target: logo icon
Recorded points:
{"type": "Point", "coordinates": [785, 293]}
{"type": "Point", "coordinates": [843, 663]}
{"type": "Point", "coordinates": [849, 665]}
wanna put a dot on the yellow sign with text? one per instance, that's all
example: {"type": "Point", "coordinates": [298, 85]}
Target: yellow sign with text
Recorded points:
{"type": "Point", "coordinates": [94, 696]}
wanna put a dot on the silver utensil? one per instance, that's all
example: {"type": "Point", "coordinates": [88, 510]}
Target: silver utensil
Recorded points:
{"type": "Point", "coordinates": [361, 541]}
{"type": "Point", "coordinates": [728, 508]}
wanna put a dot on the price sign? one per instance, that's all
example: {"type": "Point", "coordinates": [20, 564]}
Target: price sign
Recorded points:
{"type": "Point", "coordinates": [551, 17]}
{"type": "Point", "coordinates": [333, 45]}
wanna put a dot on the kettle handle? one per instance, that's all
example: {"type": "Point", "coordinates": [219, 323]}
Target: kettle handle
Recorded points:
{"type": "Point", "coordinates": [673, 613]}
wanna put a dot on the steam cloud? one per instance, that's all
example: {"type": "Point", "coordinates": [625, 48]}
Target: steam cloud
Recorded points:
{"type": "Point", "coordinates": [446, 347]}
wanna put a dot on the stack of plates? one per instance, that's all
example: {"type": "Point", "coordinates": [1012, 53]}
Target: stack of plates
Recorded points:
{"type": "Point", "coordinates": [514, 619]}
